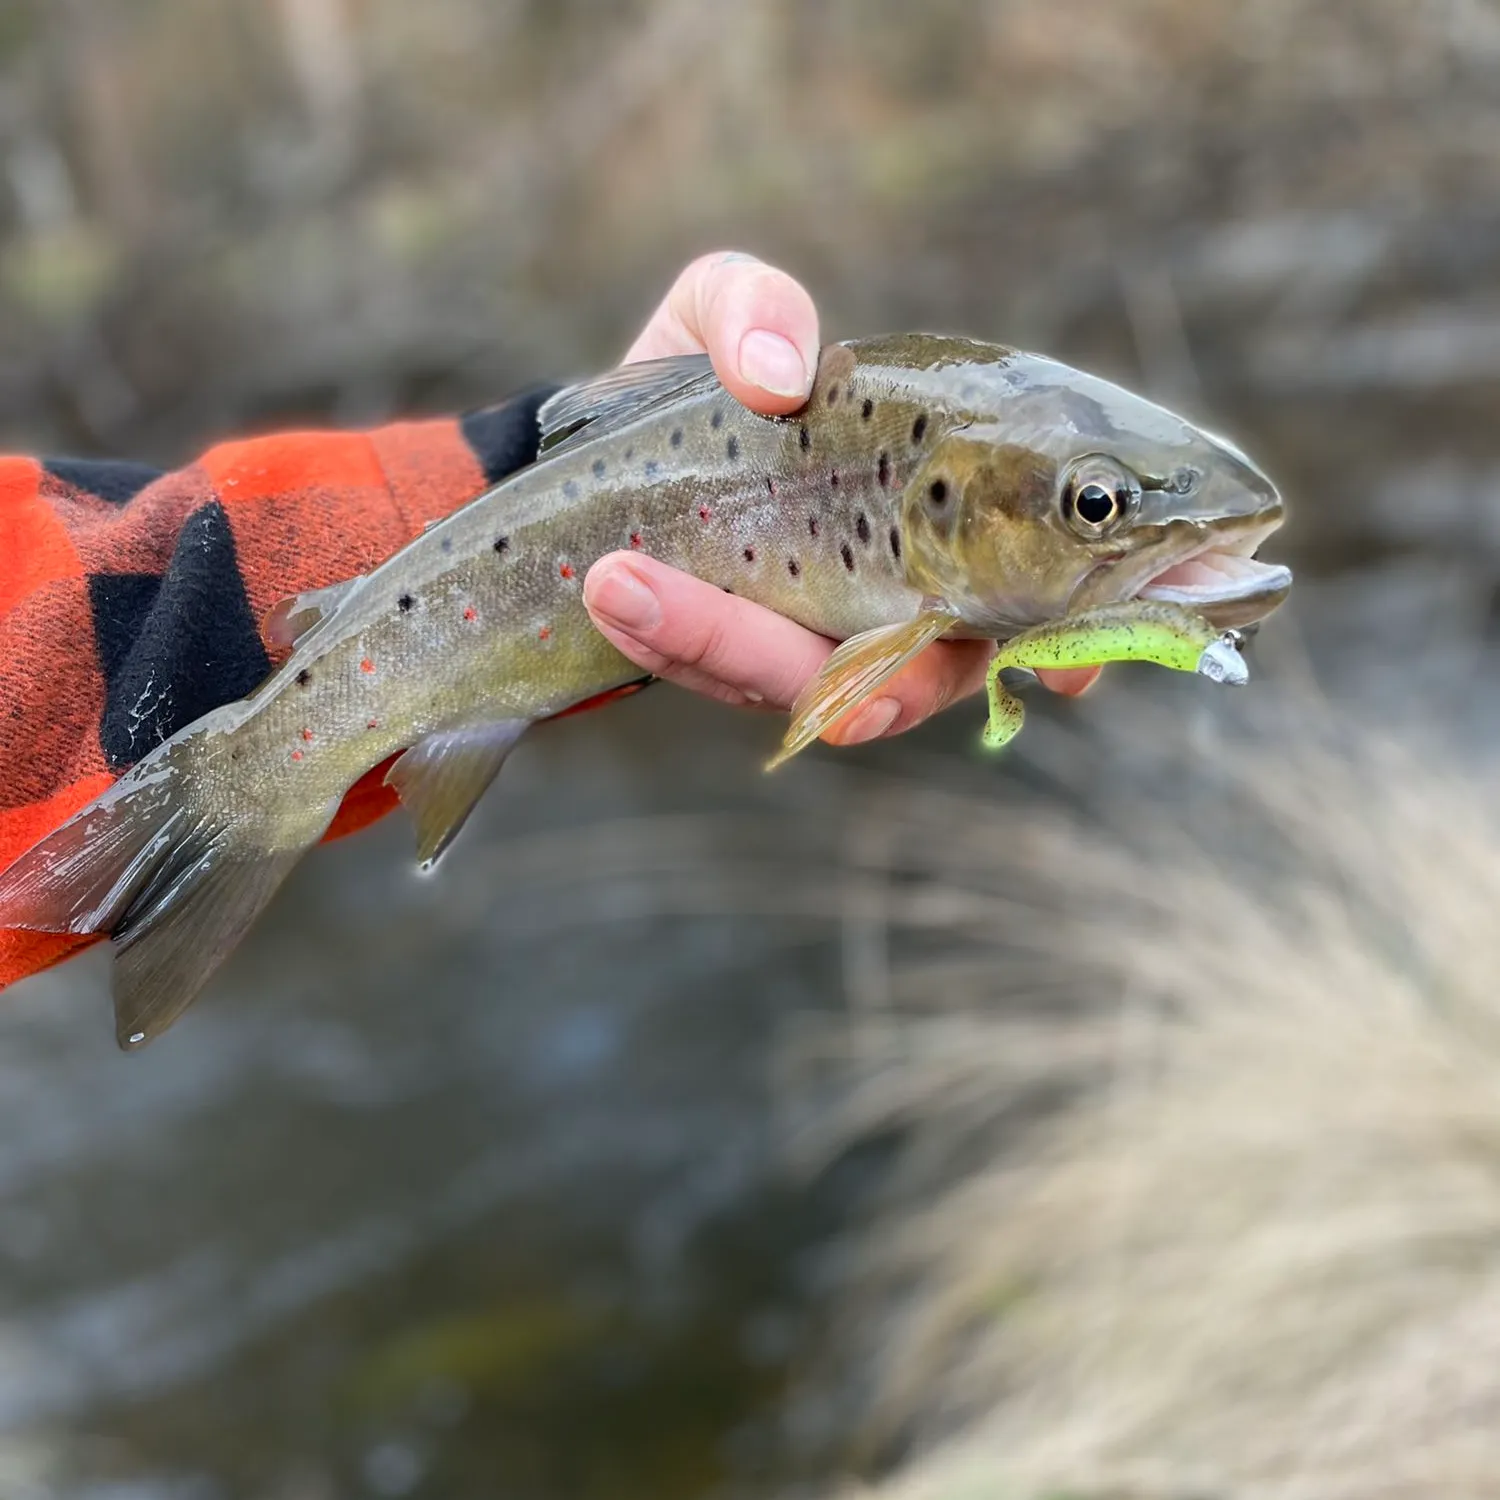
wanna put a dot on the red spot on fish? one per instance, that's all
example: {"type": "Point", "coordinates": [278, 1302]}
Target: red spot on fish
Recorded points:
{"type": "Point", "coordinates": [566, 570]}
{"type": "Point", "coordinates": [373, 724]}
{"type": "Point", "coordinates": [544, 633]}
{"type": "Point", "coordinates": [635, 540]}
{"type": "Point", "coordinates": [307, 735]}
{"type": "Point", "coordinates": [704, 513]}
{"type": "Point", "coordinates": [367, 665]}
{"type": "Point", "coordinates": [470, 613]}
{"type": "Point", "coordinates": [296, 755]}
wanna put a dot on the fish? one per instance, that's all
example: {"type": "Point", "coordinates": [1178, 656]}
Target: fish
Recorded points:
{"type": "Point", "coordinates": [930, 487]}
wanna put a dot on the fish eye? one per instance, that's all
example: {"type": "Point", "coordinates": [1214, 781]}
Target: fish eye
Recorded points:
{"type": "Point", "coordinates": [1094, 501]}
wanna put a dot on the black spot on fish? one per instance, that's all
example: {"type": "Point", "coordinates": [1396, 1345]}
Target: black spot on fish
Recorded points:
{"type": "Point", "coordinates": [677, 437]}
{"type": "Point", "coordinates": [833, 478]}
{"type": "Point", "coordinates": [304, 677]}
{"type": "Point", "coordinates": [770, 486]}
{"type": "Point", "coordinates": [749, 554]}
{"type": "Point", "coordinates": [862, 529]}
{"type": "Point", "coordinates": [630, 453]}
{"type": "Point", "coordinates": [404, 603]}
{"type": "Point", "coordinates": [806, 440]}
{"type": "Point", "coordinates": [502, 545]}
{"type": "Point", "coordinates": [793, 567]}
{"type": "Point", "coordinates": [732, 448]}
{"type": "Point", "coordinates": [919, 428]}
{"type": "Point", "coordinates": [716, 421]}
{"type": "Point", "coordinates": [447, 544]}
{"type": "Point", "coordinates": [847, 553]}
{"type": "Point", "coordinates": [651, 468]}
{"type": "Point", "coordinates": [895, 542]}
{"type": "Point", "coordinates": [938, 491]}
{"type": "Point", "coordinates": [812, 526]}
{"type": "Point", "coordinates": [868, 409]}
{"type": "Point", "coordinates": [598, 468]}
{"type": "Point", "coordinates": [570, 488]}
{"type": "Point", "coordinates": [833, 395]}
{"type": "Point", "coordinates": [883, 470]}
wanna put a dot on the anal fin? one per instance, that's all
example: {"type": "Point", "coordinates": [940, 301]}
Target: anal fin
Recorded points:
{"type": "Point", "coordinates": [859, 667]}
{"type": "Point", "coordinates": [441, 778]}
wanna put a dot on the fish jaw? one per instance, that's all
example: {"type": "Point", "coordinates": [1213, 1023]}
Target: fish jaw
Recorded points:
{"type": "Point", "coordinates": [1215, 575]}
{"type": "Point", "coordinates": [1223, 581]}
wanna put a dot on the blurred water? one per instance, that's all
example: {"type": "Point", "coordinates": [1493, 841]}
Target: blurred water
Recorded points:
{"type": "Point", "coordinates": [456, 1186]}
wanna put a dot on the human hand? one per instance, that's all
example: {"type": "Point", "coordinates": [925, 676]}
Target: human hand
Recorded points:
{"type": "Point", "coordinates": [760, 329]}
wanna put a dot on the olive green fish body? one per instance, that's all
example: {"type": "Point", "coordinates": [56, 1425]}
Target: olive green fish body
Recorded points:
{"type": "Point", "coordinates": [928, 487]}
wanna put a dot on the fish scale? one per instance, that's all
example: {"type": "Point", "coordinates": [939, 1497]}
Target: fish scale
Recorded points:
{"type": "Point", "coordinates": [929, 487]}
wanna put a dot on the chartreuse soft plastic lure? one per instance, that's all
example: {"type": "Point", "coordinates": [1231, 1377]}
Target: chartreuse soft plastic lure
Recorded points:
{"type": "Point", "coordinates": [1165, 634]}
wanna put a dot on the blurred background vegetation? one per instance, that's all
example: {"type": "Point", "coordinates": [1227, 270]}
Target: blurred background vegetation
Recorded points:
{"type": "Point", "coordinates": [706, 1135]}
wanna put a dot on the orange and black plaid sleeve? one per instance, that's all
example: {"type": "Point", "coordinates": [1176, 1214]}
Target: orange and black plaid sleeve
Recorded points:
{"type": "Point", "coordinates": [132, 599]}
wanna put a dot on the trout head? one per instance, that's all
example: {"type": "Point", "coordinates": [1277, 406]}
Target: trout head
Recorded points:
{"type": "Point", "coordinates": [1047, 492]}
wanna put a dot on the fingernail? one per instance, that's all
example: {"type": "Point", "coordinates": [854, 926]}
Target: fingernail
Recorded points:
{"type": "Point", "coordinates": [773, 363]}
{"type": "Point", "coordinates": [622, 598]}
{"type": "Point", "coordinates": [870, 722]}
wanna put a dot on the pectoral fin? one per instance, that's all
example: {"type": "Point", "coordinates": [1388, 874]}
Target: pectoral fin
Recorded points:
{"type": "Point", "coordinates": [856, 670]}
{"type": "Point", "coordinates": [441, 778]}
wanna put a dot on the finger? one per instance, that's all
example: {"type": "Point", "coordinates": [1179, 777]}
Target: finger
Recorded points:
{"type": "Point", "coordinates": [759, 326]}
{"type": "Point", "coordinates": [943, 674]}
{"type": "Point", "coordinates": [1071, 682]}
{"type": "Point", "coordinates": [678, 627]}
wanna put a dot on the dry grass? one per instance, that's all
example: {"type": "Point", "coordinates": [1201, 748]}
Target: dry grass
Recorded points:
{"type": "Point", "coordinates": [1259, 1253]}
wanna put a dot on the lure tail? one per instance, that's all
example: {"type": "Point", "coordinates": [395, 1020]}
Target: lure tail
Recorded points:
{"type": "Point", "coordinates": [174, 891]}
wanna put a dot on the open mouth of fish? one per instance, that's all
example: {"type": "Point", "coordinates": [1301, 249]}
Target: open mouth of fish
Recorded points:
{"type": "Point", "coordinates": [1223, 581]}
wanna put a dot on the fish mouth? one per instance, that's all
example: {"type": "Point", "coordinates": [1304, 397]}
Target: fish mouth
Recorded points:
{"type": "Point", "coordinates": [1222, 581]}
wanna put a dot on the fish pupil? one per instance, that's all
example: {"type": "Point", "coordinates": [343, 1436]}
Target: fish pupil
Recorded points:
{"type": "Point", "coordinates": [1094, 504]}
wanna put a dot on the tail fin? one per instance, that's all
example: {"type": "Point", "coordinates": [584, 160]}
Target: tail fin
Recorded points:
{"type": "Point", "coordinates": [174, 891]}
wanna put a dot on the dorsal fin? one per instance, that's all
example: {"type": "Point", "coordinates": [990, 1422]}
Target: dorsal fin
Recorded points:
{"type": "Point", "coordinates": [609, 402]}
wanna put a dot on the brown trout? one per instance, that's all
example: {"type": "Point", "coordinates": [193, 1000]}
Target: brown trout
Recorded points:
{"type": "Point", "coordinates": [929, 487]}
